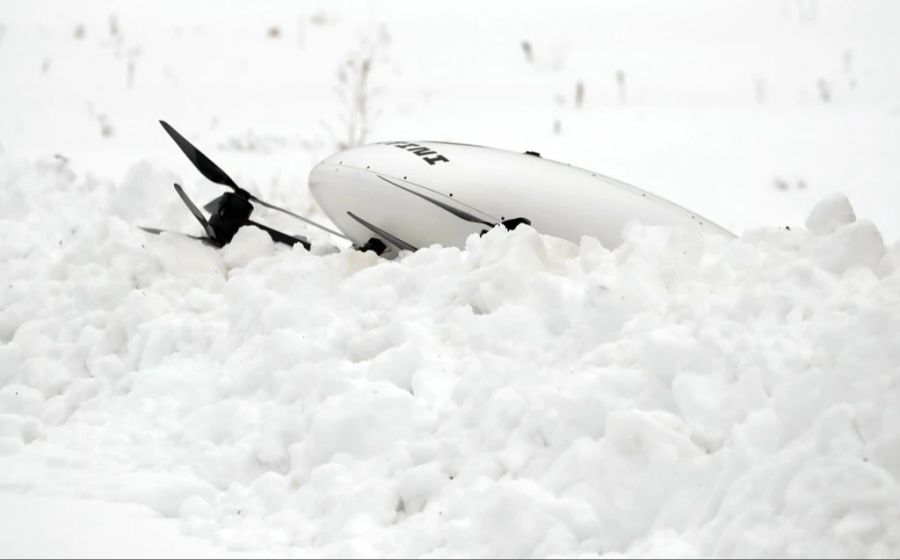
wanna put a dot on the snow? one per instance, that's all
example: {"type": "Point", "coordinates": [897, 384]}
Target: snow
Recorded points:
{"type": "Point", "coordinates": [679, 395]}
{"type": "Point", "coordinates": [830, 214]}
{"type": "Point", "coordinates": [42, 527]}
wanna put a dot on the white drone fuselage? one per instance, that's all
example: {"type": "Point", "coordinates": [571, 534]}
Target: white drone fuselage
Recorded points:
{"type": "Point", "coordinates": [379, 183]}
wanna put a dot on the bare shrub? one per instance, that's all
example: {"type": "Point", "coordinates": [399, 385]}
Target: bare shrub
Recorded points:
{"type": "Point", "coordinates": [356, 90]}
{"type": "Point", "coordinates": [621, 86]}
{"type": "Point", "coordinates": [528, 50]}
{"type": "Point", "coordinates": [579, 94]}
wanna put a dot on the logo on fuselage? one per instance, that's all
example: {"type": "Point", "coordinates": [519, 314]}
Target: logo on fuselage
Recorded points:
{"type": "Point", "coordinates": [427, 154]}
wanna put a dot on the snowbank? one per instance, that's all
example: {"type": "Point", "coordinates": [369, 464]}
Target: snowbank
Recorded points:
{"type": "Point", "coordinates": [679, 395]}
{"type": "Point", "coordinates": [41, 527]}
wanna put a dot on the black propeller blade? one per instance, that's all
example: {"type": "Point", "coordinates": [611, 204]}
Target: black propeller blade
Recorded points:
{"type": "Point", "coordinates": [394, 240]}
{"type": "Point", "coordinates": [153, 230]}
{"type": "Point", "coordinates": [196, 212]}
{"type": "Point", "coordinates": [157, 231]}
{"type": "Point", "coordinates": [215, 174]}
{"type": "Point", "coordinates": [281, 237]}
{"type": "Point", "coordinates": [203, 164]}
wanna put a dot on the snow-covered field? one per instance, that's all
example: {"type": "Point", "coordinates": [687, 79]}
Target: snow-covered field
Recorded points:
{"type": "Point", "coordinates": [674, 396]}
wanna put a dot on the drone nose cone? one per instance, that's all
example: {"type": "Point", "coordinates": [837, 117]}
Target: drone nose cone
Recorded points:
{"type": "Point", "coordinates": [318, 176]}
{"type": "Point", "coordinates": [328, 182]}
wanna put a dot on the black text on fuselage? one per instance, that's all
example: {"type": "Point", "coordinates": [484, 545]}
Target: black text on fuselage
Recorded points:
{"type": "Point", "coordinates": [427, 154]}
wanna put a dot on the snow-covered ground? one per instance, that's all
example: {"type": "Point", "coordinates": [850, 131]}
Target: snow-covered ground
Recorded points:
{"type": "Point", "coordinates": [675, 396]}
{"type": "Point", "coordinates": [41, 527]}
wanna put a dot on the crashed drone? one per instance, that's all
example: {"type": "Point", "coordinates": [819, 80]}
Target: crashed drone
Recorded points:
{"type": "Point", "coordinates": [398, 196]}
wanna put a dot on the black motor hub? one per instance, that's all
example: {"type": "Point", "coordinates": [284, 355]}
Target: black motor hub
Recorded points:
{"type": "Point", "coordinates": [230, 214]}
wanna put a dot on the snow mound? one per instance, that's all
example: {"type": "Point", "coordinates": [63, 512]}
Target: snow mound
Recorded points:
{"type": "Point", "coordinates": [527, 396]}
{"type": "Point", "coordinates": [830, 214]}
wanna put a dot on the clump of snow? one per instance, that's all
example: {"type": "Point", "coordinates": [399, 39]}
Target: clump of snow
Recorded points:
{"type": "Point", "coordinates": [829, 214]}
{"type": "Point", "coordinates": [247, 245]}
{"type": "Point", "coordinates": [139, 191]}
{"type": "Point", "coordinates": [856, 245]}
{"type": "Point", "coordinates": [844, 243]}
{"type": "Point", "coordinates": [526, 396]}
